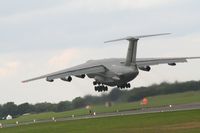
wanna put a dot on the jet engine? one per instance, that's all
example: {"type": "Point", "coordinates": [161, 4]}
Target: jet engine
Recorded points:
{"type": "Point", "coordinates": [68, 79]}
{"type": "Point", "coordinates": [49, 80]}
{"type": "Point", "coordinates": [145, 68]}
{"type": "Point", "coordinates": [81, 76]}
{"type": "Point", "coordinates": [172, 64]}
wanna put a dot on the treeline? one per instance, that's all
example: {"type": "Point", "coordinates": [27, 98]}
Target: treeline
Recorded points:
{"type": "Point", "coordinates": [11, 108]}
{"type": "Point", "coordinates": [116, 95]}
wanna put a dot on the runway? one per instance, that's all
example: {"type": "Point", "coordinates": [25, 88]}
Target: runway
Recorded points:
{"type": "Point", "coordinates": [169, 108]}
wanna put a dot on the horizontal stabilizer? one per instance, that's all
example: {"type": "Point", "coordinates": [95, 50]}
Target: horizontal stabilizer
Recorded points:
{"type": "Point", "coordinates": [136, 37]}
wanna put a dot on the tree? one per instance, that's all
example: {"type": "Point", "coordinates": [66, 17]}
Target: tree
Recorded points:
{"type": "Point", "coordinates": [78, 102]}
{"type": "Point", "coordinates": [9, 108]}
{"type": "Point", "coordinates": [1, 109]}
{"type": "Point", "coordinates": [115, 94]}
{"type": "Point", "coordinates": [25, 108]}
{"type": "Point", "coordinates": [63, 106]}
{"type": "Point", "coordinates": [44, 107]}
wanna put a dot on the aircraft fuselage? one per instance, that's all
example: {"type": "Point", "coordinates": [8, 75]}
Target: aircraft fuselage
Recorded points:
{"type": "Point", "coordinates": [117, 73]}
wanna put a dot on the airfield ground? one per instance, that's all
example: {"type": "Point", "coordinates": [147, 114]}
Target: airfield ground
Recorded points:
{"type": "Point", "coordinates": [165, 122]}
{"type": "Point", "coordinates": [157, 101]}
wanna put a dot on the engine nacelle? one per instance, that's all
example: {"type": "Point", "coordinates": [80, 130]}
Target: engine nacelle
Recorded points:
{"type": "Point", "coordinates": [81, 76]}
{"type": "Point", "coordinates": [145, 68]}
{"type": "Point", "coordinates": [68, 79]}
{"type": "Point", "coordinates": [49, 80]}
{"type": "Point", "coordinates": [172, 64]}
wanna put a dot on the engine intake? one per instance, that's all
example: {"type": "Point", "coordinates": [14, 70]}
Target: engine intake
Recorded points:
{"type": "Point", "coordinates": [68, 79]}
{"type": "Point", "coordinates": [145, 68]}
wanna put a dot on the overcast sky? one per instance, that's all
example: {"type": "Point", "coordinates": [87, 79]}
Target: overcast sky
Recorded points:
{"type": "Point", "coordinates": [42, 36]}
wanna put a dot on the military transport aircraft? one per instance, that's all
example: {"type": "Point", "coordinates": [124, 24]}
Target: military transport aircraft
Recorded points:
{"type": "Point", "coordinates": [115, 71]}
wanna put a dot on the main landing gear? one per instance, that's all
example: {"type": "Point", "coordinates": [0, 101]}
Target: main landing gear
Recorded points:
{"type": "Point", "coordinates": [100, 87]}
{"type": "Point", "coordinates": [127, 85]}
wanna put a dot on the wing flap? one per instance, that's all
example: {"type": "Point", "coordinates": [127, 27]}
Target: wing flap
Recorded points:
{"type": "Point", "coordinates": [94, 69]}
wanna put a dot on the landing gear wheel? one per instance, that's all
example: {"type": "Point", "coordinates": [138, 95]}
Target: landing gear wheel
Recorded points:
{"type": "Point", "coordinates": [101, 88]}
{"type": "Point", "coordinates": [96, 88]}
{"type": "Point", "coordinates": [95, 83]}
{"type": "Point", "coordinates": [127, 85]}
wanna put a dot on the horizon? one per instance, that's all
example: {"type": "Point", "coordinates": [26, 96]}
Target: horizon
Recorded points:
{"type": "Point", "coordinates": [107, 93]}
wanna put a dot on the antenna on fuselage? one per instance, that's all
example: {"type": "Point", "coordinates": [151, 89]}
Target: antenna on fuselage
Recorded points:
{"type": "Point", "coordinates": [132, 48]}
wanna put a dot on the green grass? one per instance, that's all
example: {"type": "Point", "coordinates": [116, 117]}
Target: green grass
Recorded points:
{"type": "Point", "coordinates": [173, 122]}
{"type": "Point", "coordinates": [178, 98]}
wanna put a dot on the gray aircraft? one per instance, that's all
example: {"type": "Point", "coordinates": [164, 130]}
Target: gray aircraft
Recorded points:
{"type": "Point", "coordinates": [115, 71]}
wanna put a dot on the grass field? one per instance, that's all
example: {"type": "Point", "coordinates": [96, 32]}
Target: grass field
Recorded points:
{"type": "Point", "coordinates": [178, 98]}
{"type": "Point", "coordinates": [173, 122]}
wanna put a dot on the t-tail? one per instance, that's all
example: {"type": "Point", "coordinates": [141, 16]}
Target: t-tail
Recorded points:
{"type": "Point", "coordinates": [132, 48]}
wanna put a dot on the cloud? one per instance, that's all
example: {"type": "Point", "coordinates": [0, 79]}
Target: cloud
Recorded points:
{"type": "Point", "coordinates": [113, 5]}
{"type": "Point", "coordinates": [63, 57]}
{"type": "Point", "coordinates": [79, 6]}
{"type": "Point", "coordinates": [8, 68]}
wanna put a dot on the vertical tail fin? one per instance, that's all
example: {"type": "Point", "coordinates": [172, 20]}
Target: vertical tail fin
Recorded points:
{"type": "Point", "coordinates": [131, 53]}
{"type": "Point", "coordinates": [132, 48]}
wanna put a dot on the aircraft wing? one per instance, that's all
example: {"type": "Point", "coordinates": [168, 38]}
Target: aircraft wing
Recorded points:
{"type": "Point", "coordinates": [156, 61]}
{"type": "Point", "coordinates": [74, 71]}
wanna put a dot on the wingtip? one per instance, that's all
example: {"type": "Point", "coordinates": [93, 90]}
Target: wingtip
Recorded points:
{"type": "Point", "coordinates": [23, 81]}
{"type": "Point", "coordinates": [167, 33]}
